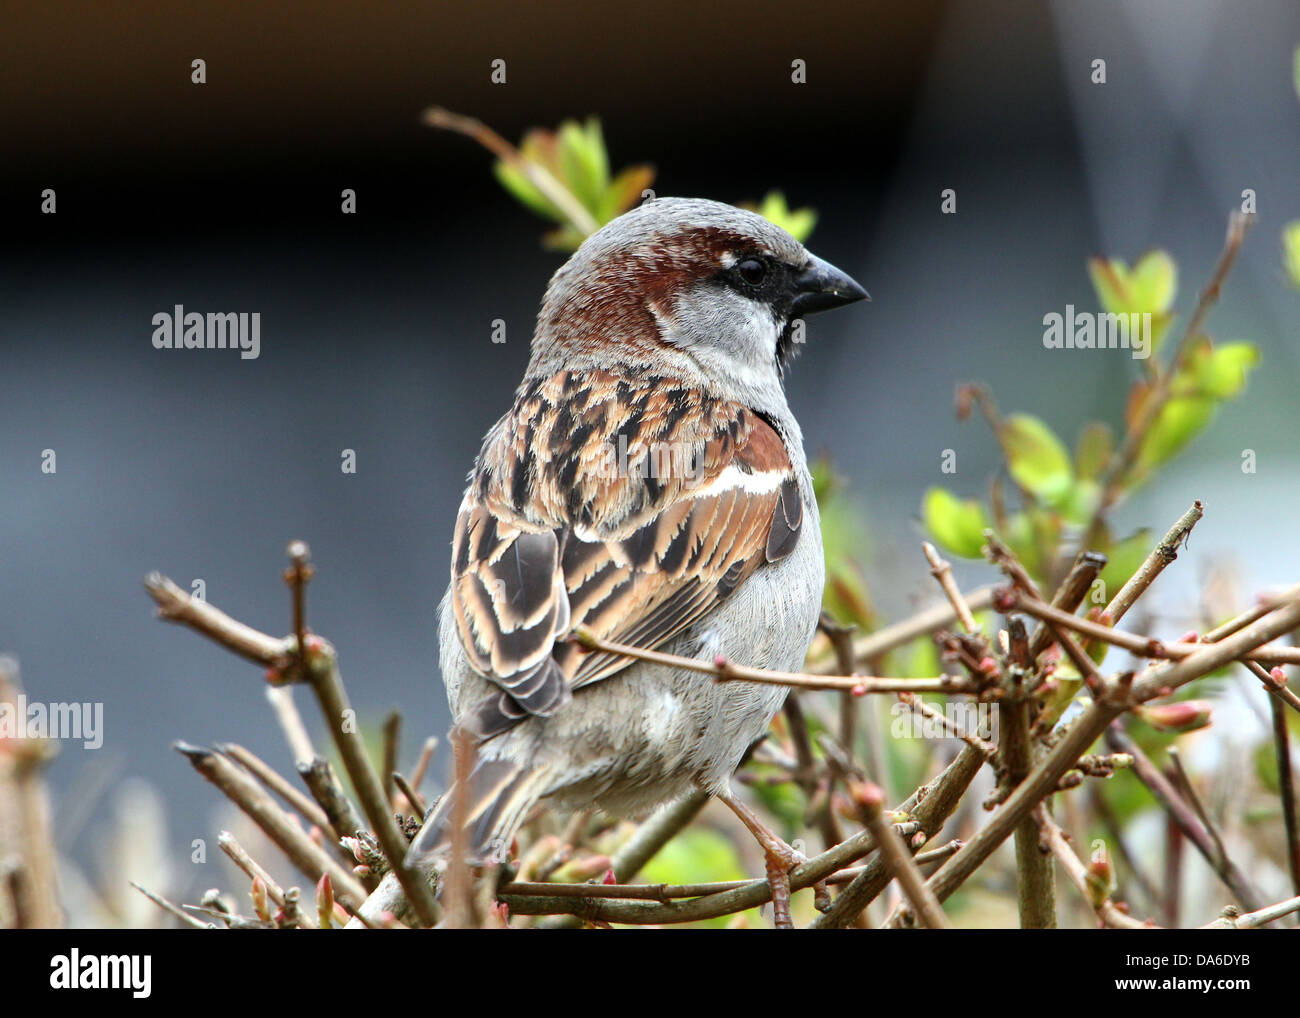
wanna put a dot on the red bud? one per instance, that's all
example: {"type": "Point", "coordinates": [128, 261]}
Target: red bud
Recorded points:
{"type": "Point", "coordinates": [1183, 716]}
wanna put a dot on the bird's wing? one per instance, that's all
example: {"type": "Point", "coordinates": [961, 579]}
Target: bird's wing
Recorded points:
{"type": "Point", "coordinates": [629, 510]}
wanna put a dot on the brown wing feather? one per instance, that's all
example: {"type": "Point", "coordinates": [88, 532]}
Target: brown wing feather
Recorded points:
{"type": "Point", "coordinates": [632, 510]}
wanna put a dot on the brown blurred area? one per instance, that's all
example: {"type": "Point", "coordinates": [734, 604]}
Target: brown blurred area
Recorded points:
{"type": "Point", "coordinates": [101, 84]}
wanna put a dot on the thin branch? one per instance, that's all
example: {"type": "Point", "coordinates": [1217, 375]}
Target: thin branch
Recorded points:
{"type": "Point", "coordinates": [873, 646]}
{"type": "Point", "coordinates": [257, 804]}
{"type": "Point", "coordinates": [252, 763]}
{"type": "Point", "coordinates": [1253, 920]}
{"type": "Point", "coordinates": [1265, 605]}
{"type": "Point", "coordinates": [1069, 595]}
{"type": "Point", "coordinates": [726, 671]}
{"type": "Point", "coordinates": [286, 713]}
{"type": "Point", "coordinates": [554, 191]}
{"type": "Point", "coordinates": [985, 748]}
{"type": "Point", "coordinates": [323, 676]}
{"type": "Point", "coordinates": [1142, 646]}
{"type": "Point", "coordinates": [1161, 556]}
{"type": "Point", "coordinates": [669, 892]}
{"type": "Point", "coordinates": [422, 764]}
{"type": "Point", "coordinates": [941, 570]}
{"type": "Point", "coordinates": [1087, 728]}
{"type": "Point", "coordinates": [1107, 911]}
{"type": "Point", "coordinates": [410, 794]}
{"type": "Point", "coordinates": [174, 909]}
{"type": "Point", "coordinates": [319, 777]}
{"type": "Point", "coordinates": [1112, 824]}
{"type": "Point", "coordinates": [1035, 879]}
{"type": "Point", "coordinates": [899, 860]}
{"type": "Point", "coordinates": [1286, 784]}
{"type": "Point", "coordinates": [930, 805]}
{"type": "Point", "coordinates": [174, 605]}
{"type": "Point", "coordinates": [391, 734]}
{"type": "Point", "coordinates": [255, 871]}
{"type": "Point", "coordinates": [652, 835]}
{"type": "Point", "coordinates": [1188, 816]}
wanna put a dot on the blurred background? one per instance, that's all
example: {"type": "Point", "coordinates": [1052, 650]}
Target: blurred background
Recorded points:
{"type": "Point", "coordinates": [376, 327]}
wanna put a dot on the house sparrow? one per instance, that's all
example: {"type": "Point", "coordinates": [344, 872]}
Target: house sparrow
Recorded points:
{"type": "Point", "coordinates": [649, 484]}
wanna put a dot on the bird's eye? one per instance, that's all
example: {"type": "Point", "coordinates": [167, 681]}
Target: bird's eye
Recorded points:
{"type": "Point", "coordinates": [751, 270]}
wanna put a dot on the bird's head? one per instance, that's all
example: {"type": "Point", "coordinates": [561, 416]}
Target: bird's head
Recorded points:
{"type": "Point", "coordinates": [687, 278]}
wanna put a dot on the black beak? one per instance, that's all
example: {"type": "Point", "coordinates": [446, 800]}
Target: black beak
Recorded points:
{"type": "Point", "coordinates": [820, 286]}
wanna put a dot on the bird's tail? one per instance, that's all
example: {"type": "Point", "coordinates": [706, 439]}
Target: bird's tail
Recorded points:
{"type": "Point", "coordinates": [496, 798]}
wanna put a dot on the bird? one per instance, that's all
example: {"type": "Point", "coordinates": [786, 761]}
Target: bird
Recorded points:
{"type": "Point", "coordinates": [648, 487]}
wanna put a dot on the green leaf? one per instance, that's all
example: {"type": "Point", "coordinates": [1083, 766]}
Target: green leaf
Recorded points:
{"type": "Point", "coordinates": [624, 191]}
{"type": "Point", "coordinates": [1291, 249]}
{"type": "Point", "coordinates": [1181, 420]}
{"type": "Point", "coordinates": [523, 191]}
{"type": "Point", "coordinates": [1081, 500]}
{"type": "Point", "coordinates": [1154, 282]}
{"type": "Point", "coordinates": [1222, 372]}
{"type": "Point", "coordinates": [956, 524]}
{"type": "Point", "coordinates": [798, 223]}
{"type": "Point", "coordinates": [1036, 458]}
{"type": "Point", "coordinates": [584, 166]}
{"type": "Point", "coordinates": [1093, 450]}
{"type": "Point", "coordinates": [1149, 287]}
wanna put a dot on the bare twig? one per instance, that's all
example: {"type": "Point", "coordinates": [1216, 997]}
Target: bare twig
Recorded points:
{"type": "Point", "coordinates": [1189, 817]}
{"type": "Point", "coordinates": [252, 763]}
{"type": "Point", "coordinates": [941, 570]}
{"type": "Point", "coordinates": [931, 805]}
{"type": "Point", "coordinates": [257, 804]}
{"type": "Point", "coordinates": [669, 892]}
{"type": "Point", "coordinates": [174, 605]}
{"type": "Point", "coordinates": [1035, 883]}
{"type": "Point", "coordinates": [1013, 600]}
{"type": "Point", "coordinates": [985, 748]}
{"type": "Point", "coordinates": [390, 733]}
{"type": "Point", "coordinates": [410, 794]}
{"type": "Point", "coordinates": [1107, 911]}
{"type": "Point", "coordinates": [325, 681]}
{"type": "Point", "coordinates": [899, 860]}
{"type": "Point", "coordinates": [1085, 730]}
{"type": "Point", "coordinates": [323, 783]}
{"type": "Point", "coordinates": [726, 671]}
{"type": "Point", "coordinates": [873, 646]}
{"type": "Point", "coordinates": [174, 909]}
{"type": "Point", "coordinates": [286, 713]}
{"type": "Point", "coordinates": [1253, 920]}
{"type": "Point", "coordinates": [1069, 595]}
{"type": "Point", "coordinates": [255, 871]}
{"type": "Point", "coordinates": [422, 764]}
{"type": "Point", "coordinates": [1286, 785]}
{"type": "Point", "coordinates": [1161, 555]}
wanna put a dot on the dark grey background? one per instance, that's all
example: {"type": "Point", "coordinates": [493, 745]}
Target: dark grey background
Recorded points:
{"type": "Point", "coordinates": [375, 327]}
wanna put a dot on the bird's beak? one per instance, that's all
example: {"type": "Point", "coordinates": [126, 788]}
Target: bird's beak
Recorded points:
{"type": "Point", "coordinates": [820, 286]}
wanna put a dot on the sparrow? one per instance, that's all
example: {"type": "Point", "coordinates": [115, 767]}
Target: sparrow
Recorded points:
{"type": "Point", "coordinates": [648, 485]}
